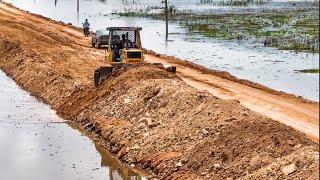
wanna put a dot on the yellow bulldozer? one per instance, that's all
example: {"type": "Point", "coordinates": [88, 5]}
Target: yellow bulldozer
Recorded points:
{"type": "Point", "coordinates": [124, 50]}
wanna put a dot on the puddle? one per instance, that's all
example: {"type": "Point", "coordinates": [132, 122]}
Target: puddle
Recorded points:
{"type": "Point", "coordinates": [268, 66]}
{"type": "Point", "coordinates": [36, 144]}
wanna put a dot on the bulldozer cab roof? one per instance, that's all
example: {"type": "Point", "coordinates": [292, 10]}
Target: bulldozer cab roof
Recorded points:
{"type": "Point", "coordinates": [124, 28]}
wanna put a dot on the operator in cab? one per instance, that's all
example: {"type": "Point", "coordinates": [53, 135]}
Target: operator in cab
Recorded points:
{"type": "Point", "coordinates": [123, 41]}
{"type": "Point", "coordinates": [86, 27]}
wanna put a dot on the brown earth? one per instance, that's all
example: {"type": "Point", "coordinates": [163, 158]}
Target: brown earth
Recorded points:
{"type": "Point", "coordinates": [288, 109]}
{"type": "Point", "coordinates": [146, 116]}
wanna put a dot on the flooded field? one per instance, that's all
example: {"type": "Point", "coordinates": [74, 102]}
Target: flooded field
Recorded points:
{"type": "Point", "coordinates": [274, 68]}
{"type": "Point", "coordinates": [36, 144]}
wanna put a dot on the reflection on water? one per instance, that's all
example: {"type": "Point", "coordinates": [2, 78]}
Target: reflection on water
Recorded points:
{"type": "Point", "coordinates": [116, 171]}
{"type": "Point", "coordinates": [36, 144]}
{"type": "Point", "coordinates": [268, 66]}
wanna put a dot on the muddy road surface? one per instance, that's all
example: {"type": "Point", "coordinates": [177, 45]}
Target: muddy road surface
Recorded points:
{"type": "Point", "coordinates": [160, 122]}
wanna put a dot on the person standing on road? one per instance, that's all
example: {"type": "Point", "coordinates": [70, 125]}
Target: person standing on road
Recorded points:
{"type": "Point", "coordinates": [86, 27]}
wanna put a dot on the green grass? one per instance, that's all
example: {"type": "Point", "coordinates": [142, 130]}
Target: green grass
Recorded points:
{"type": "Point", "coordinates": [317, 71]}
{"type": "Point", "coordinates": [296, 30]}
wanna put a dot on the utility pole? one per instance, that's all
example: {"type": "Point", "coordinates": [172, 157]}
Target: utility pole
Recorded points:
{"type": "Point", "coordinates": [77, 5]}
{"type": "Point", "coordinates": [166, 15]}
{"type": "Point", "coordinates": [78, 8]}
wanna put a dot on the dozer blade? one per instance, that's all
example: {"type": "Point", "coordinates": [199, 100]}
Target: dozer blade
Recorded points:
{"type": "Point", "coordinates": [104, 72]}
{"type": "Point", "coordinates": [168, 68]}
{"type": "Point", "coordinates": [101, 74]}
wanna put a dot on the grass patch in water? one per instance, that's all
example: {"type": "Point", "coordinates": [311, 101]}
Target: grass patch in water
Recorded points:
{"type": "Point", "coordinates": [293, 29]}
{"type": "Point", "coordinates": [315, 71]}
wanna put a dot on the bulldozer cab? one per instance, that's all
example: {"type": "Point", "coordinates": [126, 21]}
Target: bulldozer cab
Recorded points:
{"type": "Point", "coordinates": [124, 50]}
{"type": "Point", "coordinates": [124, 45]}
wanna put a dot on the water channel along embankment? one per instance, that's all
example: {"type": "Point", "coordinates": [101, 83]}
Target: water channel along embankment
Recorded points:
{"type": "Point", "coordinates": [146, 116]}
{"type": "Point", "coordinates": [36, 144]}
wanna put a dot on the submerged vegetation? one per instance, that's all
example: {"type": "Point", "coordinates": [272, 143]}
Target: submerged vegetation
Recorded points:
{"type": "Point", "coordinates": [287, 29]}
{"type": "Point", "coordinates": [282, 30]}
{"type": "Point", "coordinates": [309, 71]}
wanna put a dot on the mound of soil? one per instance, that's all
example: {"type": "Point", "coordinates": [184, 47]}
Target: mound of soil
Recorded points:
{"type": "Point", "coordinates": [152, 119]}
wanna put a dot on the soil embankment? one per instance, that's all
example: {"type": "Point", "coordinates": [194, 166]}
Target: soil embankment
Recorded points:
{"type": "Point", "coordinates": [148, 117]}
{"type": "Point", "coordinates": [288, 109]}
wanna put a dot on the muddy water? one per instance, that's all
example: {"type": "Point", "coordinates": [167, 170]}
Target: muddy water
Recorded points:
{"type": "Point", "coordinates": [36, 144]}
{"type": "Point", "coordinates": [268, 66]}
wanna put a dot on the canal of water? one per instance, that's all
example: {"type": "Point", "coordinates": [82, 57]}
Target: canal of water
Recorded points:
{"type": "Point", "coordinates": [36, 144]}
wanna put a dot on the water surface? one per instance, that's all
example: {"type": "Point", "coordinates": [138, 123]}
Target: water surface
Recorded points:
{"type": "Point", "coordinates": [36, 144]}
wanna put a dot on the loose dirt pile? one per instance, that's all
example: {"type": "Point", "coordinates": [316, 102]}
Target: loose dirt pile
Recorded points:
{"type": "Point", "coordinates": [151, 118]}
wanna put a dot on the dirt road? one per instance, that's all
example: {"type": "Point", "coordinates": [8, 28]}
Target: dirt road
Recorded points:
{"type": "Point", "coordinates": [156, 120]}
